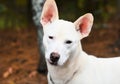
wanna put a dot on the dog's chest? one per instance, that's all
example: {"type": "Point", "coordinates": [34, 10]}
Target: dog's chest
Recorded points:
{"type": "Point", "coordinates": [63, 79]}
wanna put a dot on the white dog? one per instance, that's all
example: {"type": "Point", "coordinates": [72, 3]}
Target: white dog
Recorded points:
{"type": "Point", "coordinates": [67, 62]}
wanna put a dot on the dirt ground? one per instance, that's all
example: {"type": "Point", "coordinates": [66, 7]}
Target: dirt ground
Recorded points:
{"type": "Point", "coordinates": [19, 50]}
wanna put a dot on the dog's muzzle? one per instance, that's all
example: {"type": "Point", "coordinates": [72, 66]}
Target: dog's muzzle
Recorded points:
{"type": "Point", "coordinates": [54, 57]}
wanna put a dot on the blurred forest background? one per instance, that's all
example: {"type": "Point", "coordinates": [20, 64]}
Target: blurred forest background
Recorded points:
{"type": "Point", "coordinates": [18, 13]}
{"type": "Point", "coordinates": [20, 37]}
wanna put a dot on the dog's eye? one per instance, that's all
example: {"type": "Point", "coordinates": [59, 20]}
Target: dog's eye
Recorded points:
{"type": "Point", "coordinates": [68, 42]}
{"type": "Point", "coordinates": [50, 37]}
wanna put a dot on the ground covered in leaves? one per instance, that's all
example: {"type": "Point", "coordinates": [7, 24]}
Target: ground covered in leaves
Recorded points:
{"type": "Point", "coordinates": [19, 52]}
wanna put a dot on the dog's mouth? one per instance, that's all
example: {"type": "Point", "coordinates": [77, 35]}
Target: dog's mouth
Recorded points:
{"type": "Point", "coordinates": [53, 63]}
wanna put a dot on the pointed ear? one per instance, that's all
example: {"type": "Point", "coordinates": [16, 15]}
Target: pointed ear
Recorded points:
{"type": "Point", "coordinates": [49, 13]}
{"type": "Point", "coordinates": [84, 24]}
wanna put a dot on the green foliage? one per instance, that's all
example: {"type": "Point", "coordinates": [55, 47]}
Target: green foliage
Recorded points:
{"type": "Point", "coordinates": [102, 9]}
{"type": "Point", "coordinates": [2, 8]}
{"type": "Point", "coordinates": [13, 15]}
{"type": "Point", "coordinates": [81, 3]}
{"type": "Point", "coordinates": [21, 2]}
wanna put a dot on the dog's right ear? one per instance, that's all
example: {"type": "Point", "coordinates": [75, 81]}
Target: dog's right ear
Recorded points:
{"type": "Point", "coordinates": [49, 13]}
{"type": "Point", "coordinates": [84, 24]}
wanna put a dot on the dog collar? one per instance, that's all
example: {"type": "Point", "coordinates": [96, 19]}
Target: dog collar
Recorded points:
{"type": "Point", "coordinates": [51, 80]}
{"type": "Point", "coordinates": [71, 77]}
{"type": "Point", "coordinates": [66, 81]}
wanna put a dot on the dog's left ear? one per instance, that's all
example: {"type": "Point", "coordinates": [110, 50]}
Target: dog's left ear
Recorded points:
{"type": "Point", "coordinates": [84, 24]}
{"type": "Point", "coordinates": [49, 13]}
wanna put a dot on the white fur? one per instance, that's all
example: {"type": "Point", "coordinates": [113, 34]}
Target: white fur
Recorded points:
{"type": "Point", "coordinates": [90, 70]}
{"type": "Point", "coordinates": [74, 65]}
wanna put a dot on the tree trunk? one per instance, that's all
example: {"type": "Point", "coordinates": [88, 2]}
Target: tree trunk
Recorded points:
{"type": "Point", "coordinates": [37, 9]}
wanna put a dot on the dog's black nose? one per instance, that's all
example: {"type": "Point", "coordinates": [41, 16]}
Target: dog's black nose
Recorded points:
{"type": "Point", "coordinates": [54, 57]}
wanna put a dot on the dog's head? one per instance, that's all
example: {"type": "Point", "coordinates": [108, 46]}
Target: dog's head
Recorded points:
{"type": "Point", "coordinates": [61, 38]}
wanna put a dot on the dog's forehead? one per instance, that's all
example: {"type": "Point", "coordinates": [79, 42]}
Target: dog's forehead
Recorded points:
{"type": "Point", "coordinates": [61, 28]}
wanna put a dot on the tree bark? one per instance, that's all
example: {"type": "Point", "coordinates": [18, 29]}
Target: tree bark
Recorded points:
{"type": "Point", "coordinates": [37, 9]}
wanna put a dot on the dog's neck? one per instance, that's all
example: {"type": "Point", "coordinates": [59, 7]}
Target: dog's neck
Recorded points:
{"type": "Point", "coordinates": [62, 74]}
